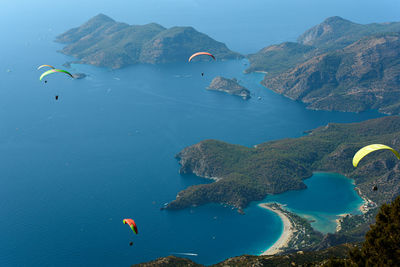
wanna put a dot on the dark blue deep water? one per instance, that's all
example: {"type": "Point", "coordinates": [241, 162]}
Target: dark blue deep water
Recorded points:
{"type": "Point", "coordinates": [72, 169]}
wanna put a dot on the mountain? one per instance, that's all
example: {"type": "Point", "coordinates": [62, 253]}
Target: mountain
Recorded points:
{"type": "Point", "coordinates": [336, 32]}
{"type": "Point", "coordinates": [333, 33]}
{"type": "Point", "coordinates": [245, 174]}
{"type": "Point", "coordinates": [178, 43]}
{"type": "Point", "coordinates": [336, 65]}
{"type": "Point", "coordinates": [101, 41]}
{"type": "Point", "coordinates": [363, 75]}
{"type": "Point", "coordinates": [275, 58]}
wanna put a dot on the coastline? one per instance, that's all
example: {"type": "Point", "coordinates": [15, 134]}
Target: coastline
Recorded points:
{"type": "Point", "coordinates": [367, 204]}
{"type": "Point", "coordinates": [340, 220]}
{"type": "Point", "coordinates": [286, 235]}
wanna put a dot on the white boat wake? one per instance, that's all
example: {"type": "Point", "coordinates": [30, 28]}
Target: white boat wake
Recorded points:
{"type": "Point", "coordinates": [186, 254]}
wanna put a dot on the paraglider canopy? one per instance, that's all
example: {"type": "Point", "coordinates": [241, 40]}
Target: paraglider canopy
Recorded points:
{"type": "Point", "coordinates": [132, 224]}
{"type": "Point", "coordinates": [41, 66]}
{"type": "Point", "coordinates": [55, 71]}
{"type": "Point", "coordinates": [200, 53]}
{"type": "Point", "coordinates": [371, 148]}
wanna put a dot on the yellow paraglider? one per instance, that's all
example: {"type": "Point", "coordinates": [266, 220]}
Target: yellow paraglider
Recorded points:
{"type": "Point", "coordinates": [371, 148]}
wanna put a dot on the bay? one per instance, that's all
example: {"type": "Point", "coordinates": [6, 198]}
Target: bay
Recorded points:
{"type": "Point", "coordinates": [72, 169]}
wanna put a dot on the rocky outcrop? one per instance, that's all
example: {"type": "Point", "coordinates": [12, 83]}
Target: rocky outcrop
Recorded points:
{"type": "Point", "coordinates": [79, 75]}
{"type": "Point", "coordinates": [230, 86]}
{"type": "Point", "coordinates": [170, 261]}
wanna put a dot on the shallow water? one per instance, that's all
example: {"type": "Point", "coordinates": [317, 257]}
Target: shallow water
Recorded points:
{"type": "Point", "coordinates": [327, 196]}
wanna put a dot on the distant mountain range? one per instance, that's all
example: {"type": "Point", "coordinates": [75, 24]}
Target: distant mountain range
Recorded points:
{"type": "Point", "coordinates": [337, 65]}
{"type": "Point", "coordinates": [104, 42]}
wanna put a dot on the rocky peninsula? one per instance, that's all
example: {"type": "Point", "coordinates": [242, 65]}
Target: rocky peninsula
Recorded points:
{"type": "Point", "coordinates": [230, 86]}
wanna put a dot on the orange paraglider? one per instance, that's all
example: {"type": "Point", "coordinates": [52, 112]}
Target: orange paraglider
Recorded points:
{"type": "Point", "coordinates": [200, 53]}
{"type": "Point", "coordinates": [131, 224]}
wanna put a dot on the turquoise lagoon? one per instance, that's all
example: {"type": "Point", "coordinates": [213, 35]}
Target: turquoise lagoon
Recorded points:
{"type": "Point", "coordinates": [328, 195]}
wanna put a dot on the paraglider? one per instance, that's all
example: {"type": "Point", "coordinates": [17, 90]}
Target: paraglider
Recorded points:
{"type": "Point", "coordinates": [55, 71]}
{"type": "Point", "coordinates": [371, 148]}
{"type": "Point", "coordinates": [56, 97]}
{"type": "Point", "coordinates": [41, 66]}
{"type": "Point", "coordinates": [200, 53]}
{"type": "Point", "coordinates": [131, 224]}
{"type": "Point", "coordinates": [375, 188]}
{"type": "Point", "coordinates": [202, 74]}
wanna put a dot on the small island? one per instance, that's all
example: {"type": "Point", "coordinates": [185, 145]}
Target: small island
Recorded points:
{"type": "Point", "coordinates": [79, 75]}
{"type": "Point", "coordinates": [230, 86]}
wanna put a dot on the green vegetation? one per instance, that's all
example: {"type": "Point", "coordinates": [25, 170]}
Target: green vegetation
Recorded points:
{"type": "Point", "coordinates": [358, 77]}
{"type": "Point", "coordinates": [337, 65]}
{"type": "Point", "coordinates": [336, 32]}
{"type": "Point", "coordinates": [380, 248]}
{"type": "Point", "coordinates": [249, 174]}
{"type": "Point", "coordinates": [230, 86]}
{"type": "Point", "coordinates": [277, 58]}
{"type": "Point", "coordinates": [103, 42]}
{"type": "Point", "coordinates": [300, 258]}
{"type": "Point", "coordinates": [382, 242]}
{"type": "Point", "coordinates": [304, 236]}
{"type": "Point", "coordinates": [332, 34]}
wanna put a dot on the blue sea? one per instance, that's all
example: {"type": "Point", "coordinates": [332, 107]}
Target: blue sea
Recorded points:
{"type": "Point", "coordinates": [72, 169]}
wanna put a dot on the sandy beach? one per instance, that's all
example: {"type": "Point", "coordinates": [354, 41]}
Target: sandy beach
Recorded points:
{"type": "Point", "coordinates": [287, 233]}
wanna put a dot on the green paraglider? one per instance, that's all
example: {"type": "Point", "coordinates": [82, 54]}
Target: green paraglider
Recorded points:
{"type": "Point", "coordinates": [54, 71]}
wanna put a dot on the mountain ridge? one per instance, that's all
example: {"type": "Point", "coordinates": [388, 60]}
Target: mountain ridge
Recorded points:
{"type": "Point", "coordinates": [101, 41]}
